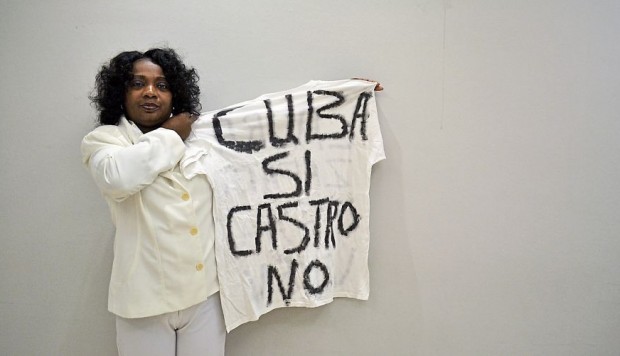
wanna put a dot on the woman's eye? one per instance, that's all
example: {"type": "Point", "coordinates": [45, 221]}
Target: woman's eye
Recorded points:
{"type": "Point", "coordinates": [162, 85]}
{"type": "Point", "coordinates": [136, 84]}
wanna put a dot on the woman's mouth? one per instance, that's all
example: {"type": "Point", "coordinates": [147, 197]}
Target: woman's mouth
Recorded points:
{"type": "Point", "coordinates": [149, 107]}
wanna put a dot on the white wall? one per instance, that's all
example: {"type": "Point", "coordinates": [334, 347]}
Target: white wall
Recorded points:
{"type": "Point", "coordinates": [495, 220]}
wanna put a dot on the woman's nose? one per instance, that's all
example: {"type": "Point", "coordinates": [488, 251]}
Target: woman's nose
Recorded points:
{"type": "Point", "coordinates": [149, 90]}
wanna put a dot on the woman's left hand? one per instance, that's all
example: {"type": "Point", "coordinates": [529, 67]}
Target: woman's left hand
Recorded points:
{"type": "Point", "coordinates": [378, 86]}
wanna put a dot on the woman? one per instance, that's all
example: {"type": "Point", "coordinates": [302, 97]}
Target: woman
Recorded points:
{"type": "Point", "coordinates": [163, 287]}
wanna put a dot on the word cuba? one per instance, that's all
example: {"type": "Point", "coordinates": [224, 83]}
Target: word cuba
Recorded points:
{"type": "Point", "coordinates": [329, 111]}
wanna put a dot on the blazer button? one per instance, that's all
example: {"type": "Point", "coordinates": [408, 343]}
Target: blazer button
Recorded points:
{"type": "Point", "coordinates": [185, 196]}
{"type": "Point", "coordinates": [193, 231]}
{"type": "Point", "coordinates": [199, 267]}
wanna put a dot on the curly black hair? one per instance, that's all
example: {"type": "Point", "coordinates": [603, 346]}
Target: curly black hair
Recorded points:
{"type": "Point", "coordinates": [111, 83]}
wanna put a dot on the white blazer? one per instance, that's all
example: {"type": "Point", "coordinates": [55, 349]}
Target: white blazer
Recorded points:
{"type": "Point", "coordinates": [164, 258]}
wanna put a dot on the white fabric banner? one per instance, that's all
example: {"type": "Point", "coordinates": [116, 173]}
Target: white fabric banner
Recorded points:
{"type": "Point", "coordinates": [291, 175]}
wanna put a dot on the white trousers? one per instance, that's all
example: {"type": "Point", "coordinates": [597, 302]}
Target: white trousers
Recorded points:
{"type": "Point", "coordinates": [195, 331]}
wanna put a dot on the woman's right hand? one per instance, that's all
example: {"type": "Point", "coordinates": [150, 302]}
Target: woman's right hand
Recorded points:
{"type": "Point", "coordinates": [181, 124]}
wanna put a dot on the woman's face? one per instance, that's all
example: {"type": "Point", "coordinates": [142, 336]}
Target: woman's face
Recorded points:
{"type": "Point", "coordinates": [148, 99]}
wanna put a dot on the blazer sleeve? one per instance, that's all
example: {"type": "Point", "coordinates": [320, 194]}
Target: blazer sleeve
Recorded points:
{"type": "Point", "coordinates": [121, 168]}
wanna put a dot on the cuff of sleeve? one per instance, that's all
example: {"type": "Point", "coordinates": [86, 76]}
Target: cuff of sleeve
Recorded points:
{"type": "Point", "coordinates": [169, 139]}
